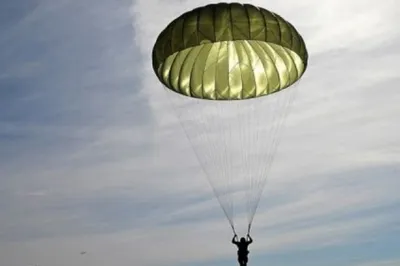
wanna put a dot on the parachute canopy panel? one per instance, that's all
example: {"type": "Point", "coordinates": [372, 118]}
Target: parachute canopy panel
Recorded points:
{"type": "Point", "coordinates": [229, 52]}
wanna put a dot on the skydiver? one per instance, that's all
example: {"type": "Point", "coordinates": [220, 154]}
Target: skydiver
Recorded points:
{"type": "Point", "coordinates": [242, 248]}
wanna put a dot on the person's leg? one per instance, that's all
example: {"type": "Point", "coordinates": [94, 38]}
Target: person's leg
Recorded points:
{"type": "Point", "coordinates": [245, 260]}
{"type": "Point", "coordinates": [242, 260]}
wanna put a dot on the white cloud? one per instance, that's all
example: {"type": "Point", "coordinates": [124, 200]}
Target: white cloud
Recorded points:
{"type": "Point", "coordinates": [335, 172]}
{"type": "Point", "coordinates": [185, 243]}
{"type": "Point", "coordinates": [336, 103]}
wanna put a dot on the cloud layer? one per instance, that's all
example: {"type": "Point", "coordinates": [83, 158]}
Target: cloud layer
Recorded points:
{"type": "Point", "coordinates": [93, 159]}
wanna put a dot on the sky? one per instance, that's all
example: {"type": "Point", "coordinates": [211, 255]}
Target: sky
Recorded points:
{"type": "Point", "coordinates": [92, 159]}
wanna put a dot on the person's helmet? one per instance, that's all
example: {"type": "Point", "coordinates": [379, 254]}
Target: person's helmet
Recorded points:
{"type": "Point", "coordinates": [242, 240]}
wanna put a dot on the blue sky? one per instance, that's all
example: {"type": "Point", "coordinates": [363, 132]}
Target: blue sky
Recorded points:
{"type": "Point", "coordinates": [89, 146]}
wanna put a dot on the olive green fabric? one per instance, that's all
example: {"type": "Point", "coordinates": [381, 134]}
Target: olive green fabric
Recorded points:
{"type": "Point", "coordinates": [229, 52]}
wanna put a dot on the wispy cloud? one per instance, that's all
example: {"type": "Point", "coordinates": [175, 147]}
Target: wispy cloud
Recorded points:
{"type": "Point", "coordinates": [93, 159]}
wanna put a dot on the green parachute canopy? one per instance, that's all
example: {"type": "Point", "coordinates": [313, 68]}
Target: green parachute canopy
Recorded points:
{"type": "Point", "coordinates": [229, 52]}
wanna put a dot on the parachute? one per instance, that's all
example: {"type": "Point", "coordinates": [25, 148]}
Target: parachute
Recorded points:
{"type": "Point", "coordinates": [230, 67]}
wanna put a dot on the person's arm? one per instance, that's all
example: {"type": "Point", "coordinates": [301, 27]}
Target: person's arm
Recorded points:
{"type": "Point", "coordinates": [250, 239]}
{"type": "Point", "coordinates": [233, 239]}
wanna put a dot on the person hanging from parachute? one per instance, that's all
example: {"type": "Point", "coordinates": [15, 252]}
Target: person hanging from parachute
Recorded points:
{"type": "Point", "coordinates": [227, 60]}
{"type": "Point", "coordinates": [243, 250]}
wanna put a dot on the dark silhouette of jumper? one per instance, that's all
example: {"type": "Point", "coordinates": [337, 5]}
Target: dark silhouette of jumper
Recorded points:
{"type": "Point", "coordinates": [243, 250]}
